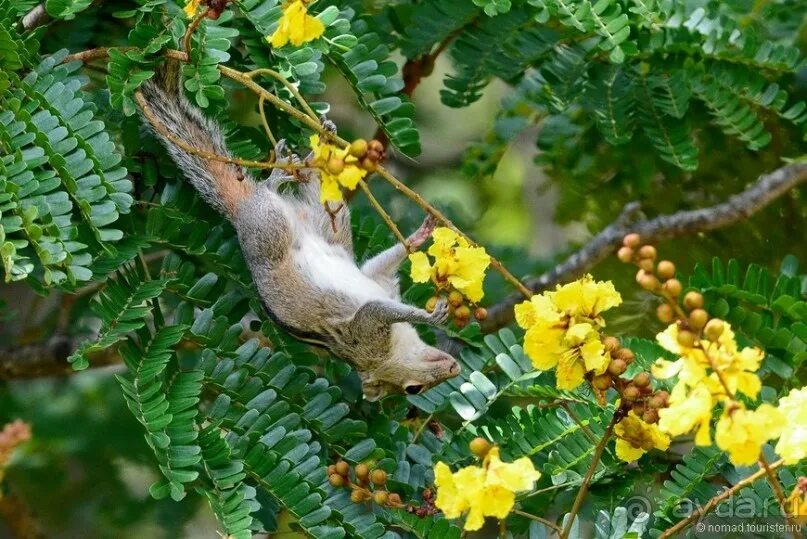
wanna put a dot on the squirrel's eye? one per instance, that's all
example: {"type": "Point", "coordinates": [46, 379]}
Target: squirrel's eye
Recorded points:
{"type": "Point", "coordinates": [413, 389]}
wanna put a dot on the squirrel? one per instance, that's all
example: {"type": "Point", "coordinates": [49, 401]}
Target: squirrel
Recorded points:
{"type": "Point", "coordinates": [302, 259]}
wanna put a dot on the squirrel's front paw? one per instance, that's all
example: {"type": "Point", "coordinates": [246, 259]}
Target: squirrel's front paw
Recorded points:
{"type": "Point", "coordinates": [441, 311]}
{"type": "Point", "coordinates": [423, 233]}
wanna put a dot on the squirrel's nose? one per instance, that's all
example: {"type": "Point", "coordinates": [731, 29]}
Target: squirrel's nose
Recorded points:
{"type": "Point", "coordinates": [455, 369]}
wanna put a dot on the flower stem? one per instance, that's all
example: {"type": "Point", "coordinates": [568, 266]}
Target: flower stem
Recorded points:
{"type": "Point", "coordinates": [384, 215]}
{"type": "Point", "coordinates": [543, 521]}
{"type": "Point", "coordinates": [595, 459]}
{"type": "Point", "coordinates": [780, 495]}
{"type": "Point", "coordinates": [186, 39]}
{"type": "Point", "coordinates": [713, 502]}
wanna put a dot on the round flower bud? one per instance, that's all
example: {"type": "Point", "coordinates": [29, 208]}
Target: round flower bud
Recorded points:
{"type": "Point", "coordinates": [611, 343]}
{"type": "Point", "coordinates": [362, 472]}
{"type": "Point", "coordinates": [427, 494]}
{"type": "Point", "coordinates": [646, 264]}
{"type": "Point", "coordinates": [697, 319]}
{"type": "Point", "coordinates": [394, 499]}
{"type": "Point", "coordinates": [649, 282]}
{"type": "Point", "coordinates": [479, 446]}
{"type": "Point", "coordinates": [461, 322]}
{"type": "Point", "coordinates": [665, 313]}
{"type": "Point", "coordinates": [714, 329]}
{"type": "Point", "coordinates": [656, 401]}
{"type": "Point", "coordinates": [625, 254]}
{"type": "Point", "coordinates": [335, 165]}
{"type": "Point", "coordinates": [601, 381]}
{"type": "Point", "coordinates": [632, 240]}
{"type": "Point", "coordinates": [342, 468]}
{"type": "Point", "coordinates": [693, 300]}
{"type": "Point", "coordinates": [626, 355]}
{"type": "Point", "coordinates": [369, 165]}
{"type": "Point", "coordinates": [336, 480]}
{"type": "Point", "coordinates": [663, 395]}
{"type": "Point", "coordinates": [421, 512]}
{"type": "Point", "coordinates": [650, 416]}
{"type": "Point", "coordinates": [686, 338]}
{"type": "Point", "coordinates": [631, 392]}
{"type": "Point", "coordinates": [432, 303]}
{"type": "Point", "coordinates": [375, 145]}
{"type": "Point", "coordinates": [331, 469]}
{"type": "Point", "coordinates": [642, 379]}
{"type": "Point", "coordinates": [455, 298]}
{"type": "Point", "coordinates": [378, 477]}
{"type": "Point", "coordinates": [665, 270]}
{"type": "Point", "coordinates": [672, 287]}
{"type": "Point", "coordinates": [358, 496]}
{"type": "Point", "coordinates": [638, 408]}
{"type": "Point", "coordinates": [647, 251]}
{"type": "Point", "coordinates": [617, 367]}
{"type": "Point", "coordinates": [358, 147]}
{"type": "Point", "coordinates": [381, 497]}
{"type": "Point", "coordinates": [480, 313]}
{"type": "Point", "coordinates": [462, 313]}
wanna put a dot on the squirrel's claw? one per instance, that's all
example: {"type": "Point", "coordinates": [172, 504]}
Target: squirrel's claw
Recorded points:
{"type": "Point", "coordinates": [441, 312]}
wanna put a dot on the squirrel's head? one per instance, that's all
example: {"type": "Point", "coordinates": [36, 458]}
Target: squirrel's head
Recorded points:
{"type": "Point", "coordinates": [411, 366]}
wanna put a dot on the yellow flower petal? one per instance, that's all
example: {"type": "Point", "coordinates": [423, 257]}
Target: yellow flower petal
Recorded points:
{"type": "Point", "coordinates": [742, 432]}
{"type": "Point", "coordinates": [625, 451]}
{"type": "Point", "coordinates": [191, 7]}
{"type": "Point", "coordinates": [421, 269]}
{"type": "Point", "coordinates": [792, 445]}
{"type": "Point", "coordinates": [296, 26]}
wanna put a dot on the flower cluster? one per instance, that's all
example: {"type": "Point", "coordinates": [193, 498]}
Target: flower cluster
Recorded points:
{"type": "Point", "coordinates": [712, 370]}
{"type": "Point", "coordinates": [563, 329]}
{"type": "Point", "coordinates": [481, 491]}
{"type": "Point", "coordinates": [296, 26]}
{"type": "Point", "coordinates": [457, 264]}
{"type": "Point", "coordinates": [338, 169]}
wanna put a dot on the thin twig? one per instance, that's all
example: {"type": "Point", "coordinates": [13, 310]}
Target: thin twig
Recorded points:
{"type": "Point", "coordinates": [595, 460]}
{"type": "Point", "coordinates": [712, 503]}
{"type": "Point", "coordinates": [384, 215]}
{"type": "Point", "coordinates": [269, 134]}
{"type": "Point", "coordinates": [543, 521]}
{"type": "Point", "coordinates": [289, 86]}
{"type": "Point", "coordinates": [197, 20]}
{"type": "Point", "coordinates": [773, 481]}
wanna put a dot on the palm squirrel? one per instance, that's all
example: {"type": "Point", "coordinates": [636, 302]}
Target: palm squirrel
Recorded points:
{"type": "Point", "coordinates": [302, 262]}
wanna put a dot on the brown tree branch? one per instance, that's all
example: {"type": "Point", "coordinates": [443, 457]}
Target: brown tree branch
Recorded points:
{"type": "Point", "coordinates": [737, 208]}
{"type": "Point", "coordinates": [48, 358]}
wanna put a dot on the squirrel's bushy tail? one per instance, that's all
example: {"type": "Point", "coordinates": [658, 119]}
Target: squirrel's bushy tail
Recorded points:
{"type": "Point", "coordinates": [222, 185]}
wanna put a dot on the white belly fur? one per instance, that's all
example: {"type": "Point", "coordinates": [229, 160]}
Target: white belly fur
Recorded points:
{"type": "Point", "coordinates": [330, 268]}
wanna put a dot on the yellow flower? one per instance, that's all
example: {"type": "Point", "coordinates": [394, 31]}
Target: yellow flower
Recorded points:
{"type": "Point", "coordinates": [481, 491]}
{"type": "Point", "coordinates": [736, 368]}
{"type": "Point", "coordinates": [635, 438]}
{"type": "Point", "coordinates": [792, 444]}
{"type": "Point", "coordinates": [585, 297]}
{"type": "Point", "coordinates": [688, 410]}
{"type": "Point", "coordinates": [330, 190]}
{"type": "Point", "coordinates": [191, 7]}
{"type": "Point", "coordinates": [456, 263]}
{"type": "Point", "coordinates": [563, 329]}
{"type": "Point", "coordinates": [742, 432]}
{"type": "Point", "coordinates": [296, 26]}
